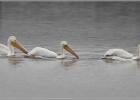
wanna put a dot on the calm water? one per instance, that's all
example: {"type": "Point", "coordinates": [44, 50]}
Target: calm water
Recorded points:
{"type": "Point", "coordinates": [91, 28]}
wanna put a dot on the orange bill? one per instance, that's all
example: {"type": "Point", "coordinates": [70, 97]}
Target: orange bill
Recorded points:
{"type": "Point", "coordinates": [19, 46]}
{"type": "Point", "coordinates": [66, 47]}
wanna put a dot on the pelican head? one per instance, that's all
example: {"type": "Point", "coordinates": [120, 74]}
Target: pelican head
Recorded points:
{"type": "Point", "coordinates": [65, 45]}
{"type": "Point", "coordinates": [15, 43]}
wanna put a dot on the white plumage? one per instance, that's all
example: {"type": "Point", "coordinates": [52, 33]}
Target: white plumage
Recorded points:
{"type": "Point", "coordinates": [11, 44]}
{"type": "Point", "coordinates": [3, 49]}
{"type": "Point", "coordinates": [39, 51]}
{"type": "Point", "coordinates": [44, 52]}
{"type": "Point", "coordinates": [121, 54]}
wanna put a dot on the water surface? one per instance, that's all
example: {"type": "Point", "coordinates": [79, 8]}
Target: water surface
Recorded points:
{"type": "Point", "coordinates": [91, 28]}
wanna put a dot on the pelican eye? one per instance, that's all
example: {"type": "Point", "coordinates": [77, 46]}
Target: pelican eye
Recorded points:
{"type": "Point", "coordinates": [13, 42]}
{"type": "Point", "coordinates": [64, 45]}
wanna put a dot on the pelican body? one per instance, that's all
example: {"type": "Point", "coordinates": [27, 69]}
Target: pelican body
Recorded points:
{"type": "Point", "coordinates": [11, 44]}
{"type": "Point", "coordinates": [121, 54]}
{"type": "Point", "coordinates": [44, 52]}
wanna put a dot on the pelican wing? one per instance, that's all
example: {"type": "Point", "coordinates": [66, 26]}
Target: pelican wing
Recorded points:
{"type": "Point", "coordinates": [39, 51]}
{"type": "Point", "coordinates": [3, 49]}
{"type": "Point", "coordinates": [119, 53]}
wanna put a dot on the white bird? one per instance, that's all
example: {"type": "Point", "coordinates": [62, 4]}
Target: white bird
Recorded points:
{"type": "Point", "coordinates": [121, 54]}
{"type": "Point", "coordinates": [11, 44]}
{"type": "Point", "coordinates": [44, 52]}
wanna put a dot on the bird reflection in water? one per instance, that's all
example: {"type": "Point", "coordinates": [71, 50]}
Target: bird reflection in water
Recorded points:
{"type": "Point", "coordinates": [15, 60]}
{"type": "Point", "coordinates": [68, 62]}
{"type": "Point", "coordinates": [108, 60]}
{"type": "Point", "coordinates": [138, 63]}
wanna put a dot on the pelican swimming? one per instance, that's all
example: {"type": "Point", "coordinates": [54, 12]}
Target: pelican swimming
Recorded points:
{"type": "Point", "coordinates": [44, 52]}
{"type": "Point", "coordinates": [120, 54]}
{"type": "Point", "coordinates": [11, 44]}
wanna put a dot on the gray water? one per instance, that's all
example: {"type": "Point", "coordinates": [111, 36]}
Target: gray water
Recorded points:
{"type": "Point", "coordinates": [91, 28]}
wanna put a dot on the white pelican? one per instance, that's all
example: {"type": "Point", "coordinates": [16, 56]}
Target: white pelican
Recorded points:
{"type": "Point", "coordinates": [11, 44]}
{"type": "Point", "coordinates": [120, 54]}
{"type": "Point", "coordinates": [43, 52]}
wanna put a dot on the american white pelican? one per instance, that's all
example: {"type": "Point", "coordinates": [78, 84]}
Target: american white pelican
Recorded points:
{"type": "Point", "coordinates": [120, 54]}
{"type": "Point", "coordinates": [11, 44]}
{"type": "Point", "coordinates": [43, 52]}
